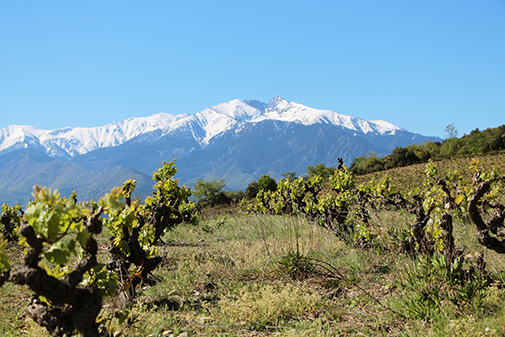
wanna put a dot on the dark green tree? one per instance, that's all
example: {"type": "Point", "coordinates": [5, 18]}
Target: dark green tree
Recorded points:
{"type": "Point", "coordinates": [401, 156]}
{"type": "Point", "coordinates": [320, 170]}
{"type": "Point", "coordinates": [210, 192]}
{"type": "Point", "coordinates": [289, 175]}
{"type": "Point", "coordinates": [264, 183]}
{"type": "Point", "coordinates": [251, 190]}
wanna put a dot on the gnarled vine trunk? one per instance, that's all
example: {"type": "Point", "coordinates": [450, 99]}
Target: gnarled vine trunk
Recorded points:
{"type": "Point", "coordinates": [71, 308]}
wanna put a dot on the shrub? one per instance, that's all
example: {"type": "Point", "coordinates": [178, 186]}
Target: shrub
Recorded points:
{"type": "Point", "coordinates": [295, 264]}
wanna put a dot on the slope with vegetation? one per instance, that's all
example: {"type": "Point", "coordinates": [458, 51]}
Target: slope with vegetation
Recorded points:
{"type": "Point", "coordinates": [329, 254]}
{"type": "Point", "coordinates": [476, 143]}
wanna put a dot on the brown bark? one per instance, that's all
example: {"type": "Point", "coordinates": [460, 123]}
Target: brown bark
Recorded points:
{"type": "Point", "coordinates": [448, 239]}
{"type": "Point", "coordinates": [490, 226]}
{"type": "Point", "coordinates": [71, 308]}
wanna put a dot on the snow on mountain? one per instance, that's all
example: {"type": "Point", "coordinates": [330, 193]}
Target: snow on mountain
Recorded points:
{"type": "Point", "coordinates": [213, 123]}
{"type": "Point", "coordinates": [203, 126]}
{"type": "Point", "coordinates": [75, 141]}
{"type": "Point", "coordinates": [240, 110]}
{"type": "Point", "coordinates": [280, 109]}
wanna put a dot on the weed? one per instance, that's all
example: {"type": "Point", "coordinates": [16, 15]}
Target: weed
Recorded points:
{"type": "Point", "coordinates": [434, 289]}
{"type": "Point", "coordinates": [295, 265]}
{"type": "Point", "coordinates": [207, 229]}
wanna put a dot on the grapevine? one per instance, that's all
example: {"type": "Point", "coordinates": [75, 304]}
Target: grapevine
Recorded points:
{"type": "Point", "coordinates": [61, 264]}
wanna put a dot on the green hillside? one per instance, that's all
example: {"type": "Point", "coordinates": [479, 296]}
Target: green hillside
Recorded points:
{"type": "Point", "coordinates": [477, 143]}
{"type": "Point", "coordinates": [339, 256]}
{"type": "Point", "coordinates": [411, 177]}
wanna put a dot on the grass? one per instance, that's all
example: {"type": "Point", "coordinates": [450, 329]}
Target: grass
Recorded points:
{"type": "Point", "coordinates": [240, 274]}
{"type": "Point", "coordinates": [227, 277]}
{"type": "Point", "coordinates": [410, 177]}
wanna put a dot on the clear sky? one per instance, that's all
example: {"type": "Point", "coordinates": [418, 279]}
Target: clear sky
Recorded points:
{"type": "Point", "coordinates": [419, 64]}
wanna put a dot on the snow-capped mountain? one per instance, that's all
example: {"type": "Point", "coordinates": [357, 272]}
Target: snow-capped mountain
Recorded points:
{"type": "Point", "coordinates": [203, 126]}
{"type": "Point", "coordinates": [237, 140]}
{"type": "Point", "coordinates": [75, 141]}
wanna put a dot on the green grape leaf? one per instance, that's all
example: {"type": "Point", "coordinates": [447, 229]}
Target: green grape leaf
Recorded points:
{"type": "Point", "coordinates": [121, 316]}
{"type": "Point", "coordinates": [126, 286]}
{"type": "Point", "coordinates": [58, 271]}
{"type": "Point", "coordinates": [4, 258]}
{"type": "Point", "coordinates": [57, 254]}
{"type": "Point", "coordinates": [71, 246]}
{"type": "Point", "coordinates": [83, 237]}
{"type": "Point", "coordinates": [53, 226]}
{"type": "Point", "coordinates": [32, 213]}
{"type": "Point", "coordinates": [116, 241]}
{"type": "Point", "coordinates": [111, 202]}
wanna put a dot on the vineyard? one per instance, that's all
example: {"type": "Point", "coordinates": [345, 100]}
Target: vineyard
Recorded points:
{"type": "Point", "coordinates": [407, 252]}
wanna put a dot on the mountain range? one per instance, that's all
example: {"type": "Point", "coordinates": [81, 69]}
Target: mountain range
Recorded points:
{"type": "Point", "coordinates": [237, 140]}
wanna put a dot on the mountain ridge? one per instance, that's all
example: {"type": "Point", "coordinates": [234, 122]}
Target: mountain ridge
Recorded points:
{"type": "Point", "coordinates": [204, 125]}
{"type": "Point", "coordinates": [238, 140]}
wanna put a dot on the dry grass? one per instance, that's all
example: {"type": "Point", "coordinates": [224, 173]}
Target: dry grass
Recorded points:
{"type": "Point", "coordinates": [225, 278]}
{"type": "Point", "coordinates": [239, 274]}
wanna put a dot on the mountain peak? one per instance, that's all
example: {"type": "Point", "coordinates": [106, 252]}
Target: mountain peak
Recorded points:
{"type": "Point", "coordinates": [203, 126]}
{"type": "Point", "coordinates": [277, 104]}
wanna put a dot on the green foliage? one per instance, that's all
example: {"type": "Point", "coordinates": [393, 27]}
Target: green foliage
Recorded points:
{"type": "Point", "coordinates": [5, 263]}
{"type": "Point", "coordinates": [128, 188]}
{"type": "Point", "coordinates": [54, 218]}
{"type": "Point", "coordinates": [302, 196]}
{"type": "Point", "coordinates": [295, 265]}
{"type": "Point", "coordinates": [402, 156]}
{"type": "Point", "coordinates": [166, 171]}
{"type": "Point", "coordinates": [58, 232]}
{"type": "Point", "coordinates": [106, 281]}
{"type": "Point", "coordinates": [367, 164]}
{"type": "Point", "coordinates": [477, 142]}
{"type": "Point", "coordinates": [167, 190]}
{"type": "Point", "coordinates": [12, 212]}
{"type": "Point", "coordinates": [209, 193]}
{"type": "Point", "coordinates": [42, 211]}
{"type": "Point", "coordinates": [430, 287]}
{"type": "Point", "coordinates": [235, 196]}
{"type": "Point", "coordinates": [342, 180]}
{"type": "Point", "coordinates": [451, 132]}
{"type": "Point", "coordinates": [251, 190]}
{"type": "Point", "coordinates": [320, 170]}
{"type": "Point", "coordinates": [266, 183]}
{"type": "Point", "coordinates": [121, 220]}
{"type": "Point", "coordinates": [9, 221]}
{"type": "Point", "coordinates": [433, 286]}
{"type": "Point", "coordinates": [125, 220]}
{"type": "Point", "coordinates": [137, 228]}
{"type": "Point", "coordinates": [288, 175]}
{"type": "Point", "coordinates": [382, 187]}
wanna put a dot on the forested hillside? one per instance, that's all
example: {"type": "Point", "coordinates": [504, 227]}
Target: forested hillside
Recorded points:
{"type": "Point", "coordinates": [477, 142]}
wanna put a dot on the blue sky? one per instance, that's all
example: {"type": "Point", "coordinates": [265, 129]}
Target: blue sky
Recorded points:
{"type": "Point", "coordinates": [419, 64]}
